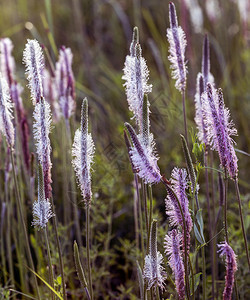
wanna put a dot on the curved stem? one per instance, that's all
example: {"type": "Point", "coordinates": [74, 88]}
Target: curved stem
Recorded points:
{"type": "Point", "coordinates": [88, 252]}
{"type": "Point", "coordinates": [225, 204]}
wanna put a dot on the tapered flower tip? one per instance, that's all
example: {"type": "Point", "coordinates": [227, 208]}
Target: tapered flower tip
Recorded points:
{"type": "Point", "coordinates": [136, 35]}
{"type": "Point", "coordinates": [34, 61]}
{"type": "Point", "coordinates": [7, 63]}
{"type": "Point", "coordinates": [144, 157]}
{"type": "Point", "coordinates": [172, 15]}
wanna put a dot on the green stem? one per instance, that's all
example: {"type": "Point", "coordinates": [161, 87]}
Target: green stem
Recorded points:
{"type": "Point", "coordinates": [225, 205]}
{"type": "Point", "coordinates": [23, 223]}
{"type": "Point", "coordinates": [59, 249]}
{"type": "Point", "coordinates": [140, 213]}
{"type": "Point", "coordinates": [203, 273]}
{"type": "Point", "coordinates": [242, 220]}
{"type": "Point", "coordinates": [88, 251]}
{"type": "Point", "coordinates": [192, 274]}
{"type": "Point", "coordinates": [150, 213]}
{"type": "Point", "coordinates": [184, 115]}
{"type": "Point", "coordinates": [50, 262]}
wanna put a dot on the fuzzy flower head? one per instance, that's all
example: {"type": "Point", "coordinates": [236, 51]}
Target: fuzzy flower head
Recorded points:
{"type": "Point", "coordinates": [41, 130]}
{"type": "Point", "coordinates": [231, 267]}
{"type": "Point", "coordinates": [41, 208]}
{"type": "Point", "coordinates": [83, 152]}
{"type": "Point", "coordinates": [177, 40]}
{"type": "Point", "coordinates": [153, 271]}
{"type": "Point", "coordinates": [172, 250]}
{"type": "Point", "coordinates": [65, 82]}
{"type": "Point", "coordinates": [144, 157]}
{"type": "Point", "coordinates": [34, 61]}
{"type": "Point", "coordinates": [136, 76]}
{"type": "Point", "coordinates": [220, 129]}
{"type": "Point", "coordinates": [6, 107]}
{"type": "Point", "coordinates": [7, 63]}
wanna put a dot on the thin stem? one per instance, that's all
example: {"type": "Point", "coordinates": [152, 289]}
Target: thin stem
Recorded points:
{"type": "Point", "coordinates": [184, 114]}
{"type": "Point", "coordinates": [136, 219]}
{"type": "Point", "coordinates": [192, 274]}
{"type": "Point", "coordinates": [203, 274]}
{"type": "Point", "coordinates": [150, 213]}
{"type": "Point", "coordinates": [140, 213]}
{"type": "Point", "coordinates": [23, 223]}
{"type": "Point", "coordinates": [50, 262]}
{"type": "Point", "coordinates": [144, 195]}
{"type": "Point", "coordinates": [225, 205]}
{"type": "Point", "coordinates": [212, 245]}
{"type": "Point", "coordinates": [88, 251]}
{"type": "Point", "coordinates": [241, 219]}
{"type": "Point", "coordinates": [59, 249]}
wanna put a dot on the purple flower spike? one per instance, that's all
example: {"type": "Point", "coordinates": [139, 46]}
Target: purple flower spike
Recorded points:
{"type": "Point", "coordinates": [144, 157]}
{"type": "Point", "coordinates": [179, 184]}
{"type": "Point", "coordinates": [83, 152]}
{"type": "Point", "coordinates": [172, 249]}
{"type": "Point", "coordinates": [41, 129]}
{"type": "Point", "coordinates": [65, 82]}
{"type": "Point", "coordinates": [136, 76]}
{"type": "Point", "coordinates": [34, 62]}
{"type": "Point", "coordinates": [220, 129]}
{"type": "Point", "coordinates": [177, 40]}
{"type": "Point", "coordinates": [6, 107]}
{"type": "Point", "coordinates": [231, 268]}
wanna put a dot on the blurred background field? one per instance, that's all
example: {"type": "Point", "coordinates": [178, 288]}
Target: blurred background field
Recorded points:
{"type": "Point", "coordinates": [99, 33]}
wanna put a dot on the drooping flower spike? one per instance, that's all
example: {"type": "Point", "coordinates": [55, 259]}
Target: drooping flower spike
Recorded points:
{"type": "Point", "coordinates": [153, 271]}
{"type": "Point", "coordinates": [231, 268]}
{"type": "Point", "coordinates": [179, 184]}
{"type": "Point", "coordinates": [172, 249]}
{"type": "Point", "coordinates": [6, 114]}
{"type": "Point", "coordinates": [65, 82]}
{"type": "Point", "coordinates": [136, 76]}
{"type": "Point", "coordinates": [41, 130]}
{"type": "Point", "coordinates": [143, 157]}
{"type": "Point", "coordinates": [83, 152]}
{"type": "Point", "coordinates": [177, 40]}
{"type": "Point", "coordinates": [41, 208]}
{"type": "Point", "coordinates": [34, 61]}
{"type": "Point", "coordinates": [220, 129]}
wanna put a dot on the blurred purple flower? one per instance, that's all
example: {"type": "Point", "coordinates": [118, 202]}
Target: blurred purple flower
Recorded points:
{"type": "Point", "coordinates": [65, 82]}
{"type": "Point", "coordinates": [177, 40]}
{"type": "Point", "coordinates": [231, 268]}
{"type": "Point", "coordinates": [172, 249]}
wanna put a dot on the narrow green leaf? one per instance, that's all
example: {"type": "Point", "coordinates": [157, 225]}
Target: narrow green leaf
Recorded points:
{"type": "Point", "coordinates": [197, 234]}
{"type": "Point", "coordinates": [48, 285]}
